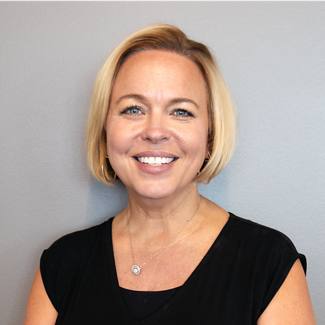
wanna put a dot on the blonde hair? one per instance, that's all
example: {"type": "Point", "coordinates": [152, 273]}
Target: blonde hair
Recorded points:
{"type": "Point", "coordinates": [221, 135]}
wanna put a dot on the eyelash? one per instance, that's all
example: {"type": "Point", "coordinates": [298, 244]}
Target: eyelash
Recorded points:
{"type": "Point", "coordinates": [188, 113]}
{"type": "Point", "coordinates": [128, 109]}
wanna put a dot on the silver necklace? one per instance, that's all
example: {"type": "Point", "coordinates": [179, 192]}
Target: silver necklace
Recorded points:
{"type": "Point", "coordinates": [136, 268]}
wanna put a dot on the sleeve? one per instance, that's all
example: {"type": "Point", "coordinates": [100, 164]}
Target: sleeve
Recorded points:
{"type": "Point", "coordinates": [49, 277]}
{"type": "Point", "coordinates": [276, 257]}
{"type": "Point", "coordinates": [58, 267]}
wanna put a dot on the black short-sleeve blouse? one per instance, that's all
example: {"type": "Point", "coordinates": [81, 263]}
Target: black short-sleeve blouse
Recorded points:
{"type": "Point", "coordinates": [232, 285]}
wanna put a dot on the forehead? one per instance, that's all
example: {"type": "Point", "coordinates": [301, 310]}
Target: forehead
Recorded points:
{"type": "Point", "coordinates": [158, 71]}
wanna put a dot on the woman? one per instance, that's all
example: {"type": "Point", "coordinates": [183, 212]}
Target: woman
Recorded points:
{"type": "Point", "coordinates": [161, 122]}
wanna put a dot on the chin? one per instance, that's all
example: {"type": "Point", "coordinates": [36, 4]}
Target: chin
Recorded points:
{"type": "Point", "coordinates": [154, 194]}
{"type": "Point", "coordinates": [154, 191]}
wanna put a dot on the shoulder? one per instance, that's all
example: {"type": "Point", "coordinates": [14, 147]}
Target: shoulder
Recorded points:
{"type": "Point", "coordinates": [61, 262]}
{"type": "Point", "coordinates": [255, 234]}
{"type": "Point", "coordinates": [268, 254]}
{"type": "Point", "coordinates": [75, 244]}
{"type": "Point", "coordinates": [248, 227]}
{"type": "Point", "coordinates": [79, 238]}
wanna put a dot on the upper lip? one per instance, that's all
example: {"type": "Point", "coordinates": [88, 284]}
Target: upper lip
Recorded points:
{"type": "Point", "coordinates": [155, 154]}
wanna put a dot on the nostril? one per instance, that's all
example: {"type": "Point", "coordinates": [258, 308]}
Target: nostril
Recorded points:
{"type": "Point", "coordinates": [155, 135]}
{"type": "Point", "coordinates": [156, 139]}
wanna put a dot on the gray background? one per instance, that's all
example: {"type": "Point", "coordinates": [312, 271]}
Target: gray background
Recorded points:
{"type": "Point", "coordinates": [272, 56]}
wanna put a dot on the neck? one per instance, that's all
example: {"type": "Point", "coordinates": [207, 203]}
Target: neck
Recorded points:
{"type": "Point", "coordinates": [164, 216]}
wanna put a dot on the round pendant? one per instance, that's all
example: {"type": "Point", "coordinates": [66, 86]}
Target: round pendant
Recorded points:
{"type": "Point", "coordinates": [135, 269]}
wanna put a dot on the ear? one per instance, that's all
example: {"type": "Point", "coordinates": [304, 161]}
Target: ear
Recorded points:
{"type": "Point", "coordinates": [207, 153]}
{"type": "Point", "coordinates": [208, 146]}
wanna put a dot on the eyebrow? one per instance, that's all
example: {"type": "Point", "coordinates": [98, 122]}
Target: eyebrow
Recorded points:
{"type": "Point", "coordinates": [143, 99]}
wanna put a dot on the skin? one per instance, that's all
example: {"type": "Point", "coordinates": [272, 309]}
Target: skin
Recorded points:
{"type": "Point", "coordinates": [161, 205]}
{"type": "Point", "coordinates": [159, 103]}
{"type": "Point", "coordinates": [158, 124]}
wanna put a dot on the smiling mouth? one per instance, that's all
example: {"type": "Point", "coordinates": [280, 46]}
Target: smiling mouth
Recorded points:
{"type": "Point", "coordinates": [155, 161]}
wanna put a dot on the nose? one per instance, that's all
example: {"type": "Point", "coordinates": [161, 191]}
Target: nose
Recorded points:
{"type": "Point", "coordinates": [155, 129]}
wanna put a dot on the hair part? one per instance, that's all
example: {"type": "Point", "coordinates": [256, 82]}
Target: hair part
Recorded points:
{"type": "Point", "coordinates": [221, 133]}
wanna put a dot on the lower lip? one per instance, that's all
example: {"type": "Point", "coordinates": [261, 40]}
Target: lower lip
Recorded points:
{"type": "Point", "coordinates": [151, 169]}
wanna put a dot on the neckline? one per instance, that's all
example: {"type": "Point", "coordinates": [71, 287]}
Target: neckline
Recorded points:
{"type": "Point", "coordinates": [180, 289]}
{"type": "Point", "coordinates": [140, 292]}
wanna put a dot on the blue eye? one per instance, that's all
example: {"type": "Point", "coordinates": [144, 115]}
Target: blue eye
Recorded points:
{"type": "Point", "coordinates": [132, 110]}
{"type": "Point", "coordinates": [180, 112]}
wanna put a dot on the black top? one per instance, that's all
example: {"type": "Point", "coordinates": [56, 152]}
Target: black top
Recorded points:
{"type": "Point", "coordinates": [143, 303]}
{"type": "Point", "coordinates": [232, 285]}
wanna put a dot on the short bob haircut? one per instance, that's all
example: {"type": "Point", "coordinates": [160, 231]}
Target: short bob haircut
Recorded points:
{"type": "Point", "coordinates": [221, 133]}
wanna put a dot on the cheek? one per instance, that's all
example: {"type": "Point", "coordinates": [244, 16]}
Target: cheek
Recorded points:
{"type": "Point", "coordinates": [195, 142]}
{"type": "Point", "coordinates": [116, 147]}
{"type": "Point", "coordinates": [114, 144]}
{"type": "Point", "coordinates": [117, 138]}
{"type": "Point", "coordinates": [197, 137]}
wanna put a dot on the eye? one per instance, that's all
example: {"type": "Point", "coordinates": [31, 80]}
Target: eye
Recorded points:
{"type": "Point", "coordinates": [132, 110]}
{"type": "Point", "coordinates": [181, 112]}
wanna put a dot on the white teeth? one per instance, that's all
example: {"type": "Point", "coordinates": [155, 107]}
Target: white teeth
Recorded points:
{"type": "Point", "coordinates": [155, 160]}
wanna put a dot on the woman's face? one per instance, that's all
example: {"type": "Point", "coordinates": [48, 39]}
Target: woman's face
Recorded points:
{"type": "Point", "coordinates": [157, 125]}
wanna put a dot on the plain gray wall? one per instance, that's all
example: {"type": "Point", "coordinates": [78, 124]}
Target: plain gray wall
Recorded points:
{"type": "Point", "coordinates": [273, 58]}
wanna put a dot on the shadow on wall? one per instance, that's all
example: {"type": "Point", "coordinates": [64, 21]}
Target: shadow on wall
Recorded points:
{"type": "Point", "coordinates": [104, 201]}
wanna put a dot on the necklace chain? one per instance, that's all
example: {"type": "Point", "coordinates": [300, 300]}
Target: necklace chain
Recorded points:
{"type": "Point", "coordinates": [136, 268]}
